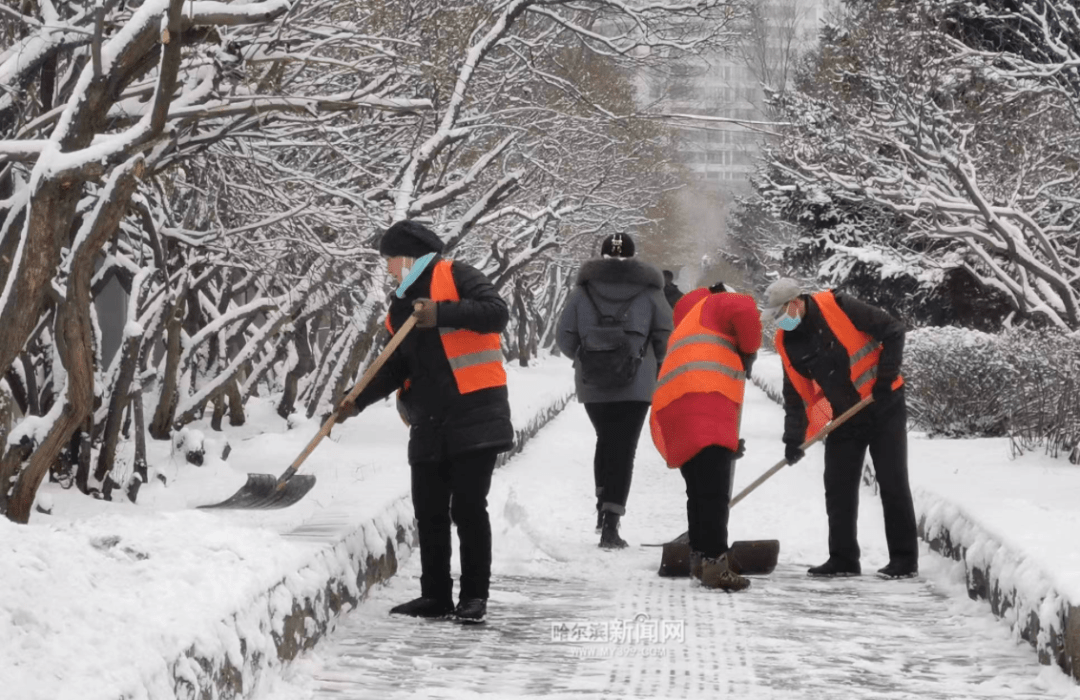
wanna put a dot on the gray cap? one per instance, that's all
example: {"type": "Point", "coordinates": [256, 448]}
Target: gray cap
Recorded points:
{"type": "Point", "coordinates": [777, 296]}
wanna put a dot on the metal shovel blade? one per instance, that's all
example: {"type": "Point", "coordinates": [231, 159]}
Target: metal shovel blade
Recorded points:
{"type": "Point", "coordinates": [747, 557]}
{"type": "Point", "coordinates": [261, 492]}
{"type": "Point", "coordinates": [754, 557]}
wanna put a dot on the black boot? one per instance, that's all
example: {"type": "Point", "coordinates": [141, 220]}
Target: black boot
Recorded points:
{"type": "Point", "coordinates": [471, 610]}
{"type": "Point", "coordinates": [609, 532]}
{"type": "Point", "coordinates": [599, 520]}
{"type": "Point", "coordinates": [834, 568]}
{"type": "Point", "coordinates": [899, 568]}
{"type": "Point", "coordinates": [424, 607]}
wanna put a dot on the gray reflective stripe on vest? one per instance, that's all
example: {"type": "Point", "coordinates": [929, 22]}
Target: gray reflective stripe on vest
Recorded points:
{"type": "Point", "coordinates": [475, 358]}
{"type": "Point", "coordinates": [703, 365]}
{"type": "Point", "coordinates": [864, 351]}
{"type": "Point", "coordinates": [865, 377]}
{"type": "Point", "coordinates": [703, 338]}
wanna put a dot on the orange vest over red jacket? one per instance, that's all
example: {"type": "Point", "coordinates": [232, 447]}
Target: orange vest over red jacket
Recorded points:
{"type": "Point", "coordinates": [696, 403]}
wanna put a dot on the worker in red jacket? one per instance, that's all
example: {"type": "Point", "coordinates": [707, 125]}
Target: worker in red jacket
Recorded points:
{"type": "Point", "coordinates": [695, 416]}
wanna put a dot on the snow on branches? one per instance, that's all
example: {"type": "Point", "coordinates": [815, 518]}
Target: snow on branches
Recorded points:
{"type": "Point", "coordinates": [960, 120]}
{"type": "Point", "coordinates": [224, 167]}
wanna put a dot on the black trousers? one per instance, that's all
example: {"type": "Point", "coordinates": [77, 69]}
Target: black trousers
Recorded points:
{"type": "Point", "coordinates": [455, 488]}
{"type": "Point", "coordinates": [618, 427]}
{"type": "Point", "coordinates": [885, 434]}
{"type": "Point", "coordinates": [708, 492]}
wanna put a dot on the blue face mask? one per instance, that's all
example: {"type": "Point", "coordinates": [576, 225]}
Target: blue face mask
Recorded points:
{"type": "Point", "coordinates": [789, 323]}
{"type": "Point", "coordinates": [413, 274]}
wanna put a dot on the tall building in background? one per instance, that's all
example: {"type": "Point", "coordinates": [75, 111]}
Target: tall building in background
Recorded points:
{"type": "Point", "coordinates": [731, 86]}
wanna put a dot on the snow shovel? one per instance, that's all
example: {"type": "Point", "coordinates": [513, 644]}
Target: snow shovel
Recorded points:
{"type": "Point", "coordinates": [752, 557]}
{"type": "Point", "coordinates": [267, 492]}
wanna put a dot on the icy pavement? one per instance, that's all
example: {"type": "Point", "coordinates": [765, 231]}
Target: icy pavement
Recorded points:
{"type": "Point", "coordinates": [569, 620]}
{"type": "Point", "coordinates": [790, 637]}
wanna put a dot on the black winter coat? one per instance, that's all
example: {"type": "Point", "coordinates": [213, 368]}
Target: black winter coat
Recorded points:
{"type": "Point", "coordinates": [443, 421]}
{"type": "Point", "coordinates": [817, 354]}
{"type": "Point", "coordinates": [672, 293]}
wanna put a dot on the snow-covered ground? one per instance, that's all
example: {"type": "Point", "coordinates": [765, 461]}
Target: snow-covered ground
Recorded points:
{"type": "Point", "coordinates": [99, 597]}
{"type": "Point", "coordinates": [788, 636]}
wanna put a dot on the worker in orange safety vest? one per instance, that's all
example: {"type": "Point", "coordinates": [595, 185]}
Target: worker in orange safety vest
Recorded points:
{"type": "Point", "coordinates": [695, 417]}
{"type": "Point", "coordinates": [451, 385]}
{"type": "Point", "coordinates": [836, 351]}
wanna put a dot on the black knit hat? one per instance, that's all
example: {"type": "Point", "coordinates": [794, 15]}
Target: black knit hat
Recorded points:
{"type": "Point", "coordinates": [409, 239]}
{"type": "Point", "coordinates": [618, 245]}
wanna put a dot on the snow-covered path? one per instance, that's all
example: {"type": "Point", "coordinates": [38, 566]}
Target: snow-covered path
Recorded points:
{"type": "Point", "coordinates": [786, 637]}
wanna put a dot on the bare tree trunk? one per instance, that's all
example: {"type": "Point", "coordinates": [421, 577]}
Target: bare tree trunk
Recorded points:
{"type": "Point", "coordinates": [7, 406]}
{"type": "Point", "coordinates": [139, 472]}
{"type": "Point", "coordinates": [236, 404]}
{"type": "Point", "coordinates": [219, 412]}
{"type": "Point", "coordinates": [79, 453]}
{"type": "Point", "coordinates": [161, 426]}
{"type": "Point", "coordinates": [522, 324]}
{"type": "Point", "coordinates": [27, 465]}
{"type": "Point", "coordinates": [117, 405]}
{"type": "Point", "coordinates": [305, 362]}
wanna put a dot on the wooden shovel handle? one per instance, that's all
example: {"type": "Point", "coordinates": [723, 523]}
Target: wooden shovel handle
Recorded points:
{"type": "Point", "coordinates": [351, 396]}
{"type": "Point", "coordinates": [829, 427]}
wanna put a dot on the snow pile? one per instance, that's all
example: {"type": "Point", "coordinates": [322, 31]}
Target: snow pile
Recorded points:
{"type": "Point", "coordinates": [112, 599]}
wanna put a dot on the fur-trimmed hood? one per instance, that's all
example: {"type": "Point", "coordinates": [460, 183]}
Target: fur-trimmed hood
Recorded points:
{"type": "Point", "coordinates": [631, 292]}
{"type": "Point", "coordinates": [619, 272]}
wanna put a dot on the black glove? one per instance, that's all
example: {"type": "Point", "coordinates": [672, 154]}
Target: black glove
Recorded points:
{"type": "Point", "coordinates": [793, 453]}
{"type": "Point", "coordinates": [741, 450]}
{"type": "Point", "coordinates": [882, 389]}
{"type": "Point", "coordinates": [748, 362]}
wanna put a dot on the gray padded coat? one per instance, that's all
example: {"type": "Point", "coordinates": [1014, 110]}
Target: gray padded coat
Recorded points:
{"type": "Point", "coordinates": [612, 281]}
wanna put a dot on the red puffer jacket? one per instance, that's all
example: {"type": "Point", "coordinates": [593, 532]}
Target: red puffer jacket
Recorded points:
{"type": "Point", "coordinates": [693, 422]}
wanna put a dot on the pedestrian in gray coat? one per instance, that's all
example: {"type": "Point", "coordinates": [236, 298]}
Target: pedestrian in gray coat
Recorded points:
{"type": "Point", "coordinates": [619, 286]}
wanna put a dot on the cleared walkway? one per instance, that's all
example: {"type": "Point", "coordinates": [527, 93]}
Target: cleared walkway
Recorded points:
{"type": "Point", "coordinates": [790, 637]}
{"type": "Point", "coordinates": [567, 620]}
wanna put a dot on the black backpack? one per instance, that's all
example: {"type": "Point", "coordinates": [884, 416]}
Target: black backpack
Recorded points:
{"type": "Point", "coordinates": [605, 357]}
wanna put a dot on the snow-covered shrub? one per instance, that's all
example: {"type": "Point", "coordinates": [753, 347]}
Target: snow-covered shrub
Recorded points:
{"type": "Point", "coordinates": [957, 382]}
{"type": "Point", "coordinates": [1022, 383]}
{"type": "Point", "coordinates": [1044, 402]}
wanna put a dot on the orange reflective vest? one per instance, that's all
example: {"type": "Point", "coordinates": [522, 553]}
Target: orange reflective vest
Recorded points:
{"type": "Point", "coordinates": [698, 360]}
{"type": "Point", "coordinates": [863, 354]}
{"type": "Point", "coordinates": [475, 358]}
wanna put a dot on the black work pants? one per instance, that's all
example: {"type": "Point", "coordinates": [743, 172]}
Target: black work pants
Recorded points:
{"type": "Point", "coordinates": [885, 434]}
{"type": "Point", "coordinates": [455, 488]}
{"type": "Point", "coordinates": [708, 492]}
{"type": "Point", "coordinates": [618, 428]}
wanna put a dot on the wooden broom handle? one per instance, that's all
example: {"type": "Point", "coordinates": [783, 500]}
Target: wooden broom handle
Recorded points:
{"type": "Point", "coordinates": [372, 370]}
{"type": "Point", "coordinates": [829, 427]}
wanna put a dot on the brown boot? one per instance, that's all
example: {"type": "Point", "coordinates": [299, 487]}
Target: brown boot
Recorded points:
{"type": "Point", "coordinates": [715, 573]}
{"type": "Point", "coordinates": [696, 559]}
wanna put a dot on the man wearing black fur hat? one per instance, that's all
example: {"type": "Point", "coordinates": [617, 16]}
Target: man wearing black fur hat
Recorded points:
{"type": "Point", "coordinates": [616, 298]}
{"type": "Point", "coordinates": [453, 392]}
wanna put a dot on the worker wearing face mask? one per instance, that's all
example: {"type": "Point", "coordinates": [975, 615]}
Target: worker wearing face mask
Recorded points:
{"type": "Point", "coordinates": [453, 394]}
{"type": "Point", "coordinates": [837, 350]}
